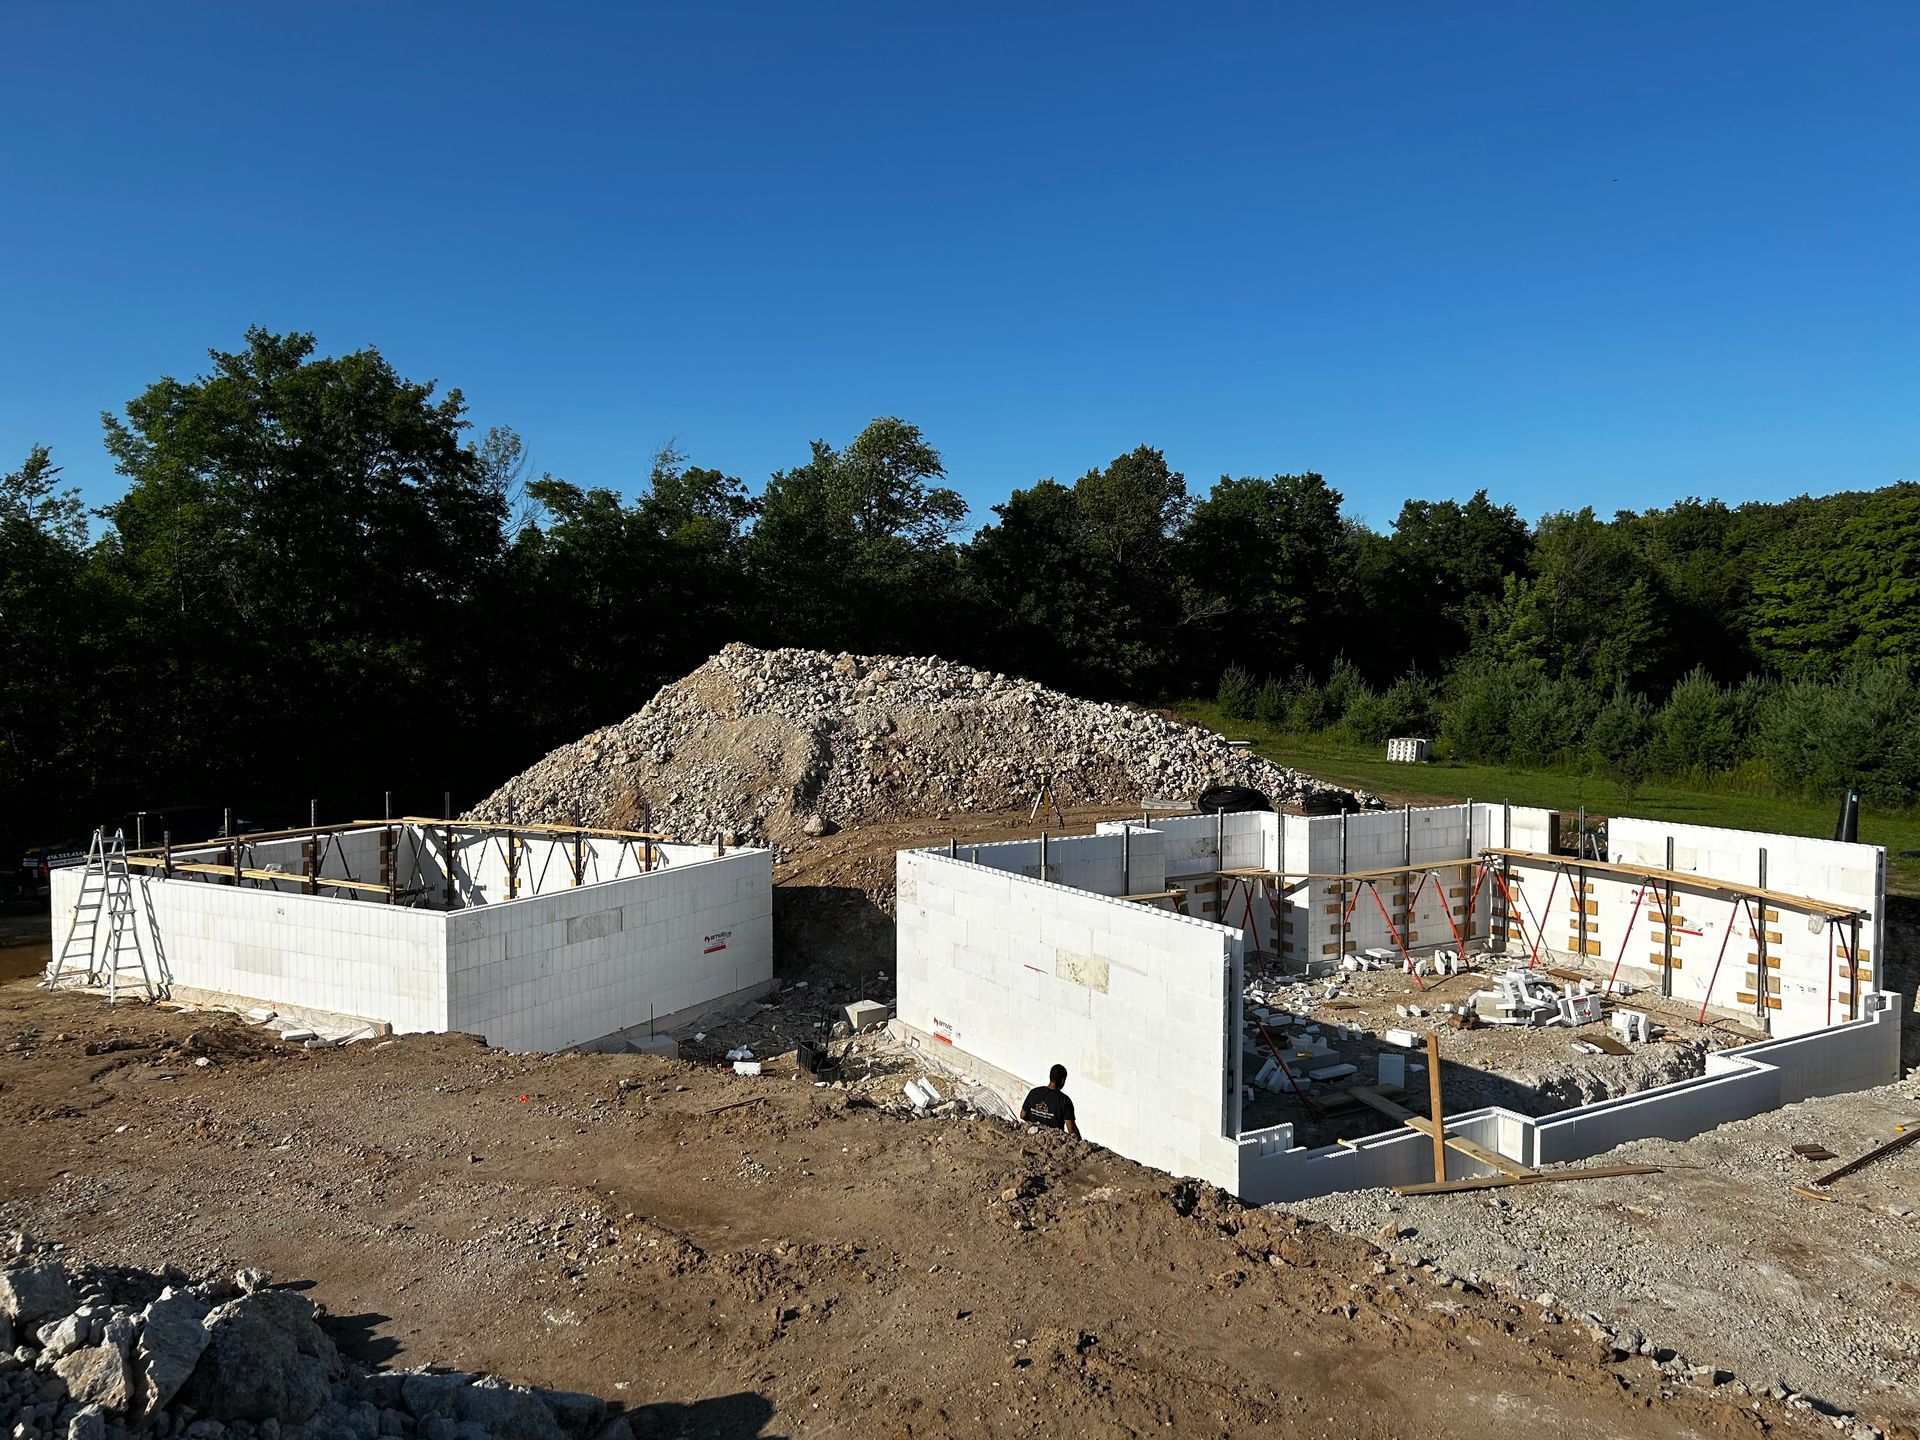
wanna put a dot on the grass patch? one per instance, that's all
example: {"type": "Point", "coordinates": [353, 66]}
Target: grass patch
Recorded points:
{"type": "Point", "coordinates": [1741, 806]}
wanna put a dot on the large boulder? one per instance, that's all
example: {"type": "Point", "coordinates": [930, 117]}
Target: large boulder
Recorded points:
{"type": "Point", "coordinates": [266, 1358]}
{"type": "Point", "coordinates": [172, 1339]}
{"type": "Point", "coordinates": [97, 1375]}
{"type": "Point", "coordinates": [582, 1416]}
{"type": "Point", "coordinates": [34, 1294]}
{"type": "Point", "coordinates": [507, 1412]}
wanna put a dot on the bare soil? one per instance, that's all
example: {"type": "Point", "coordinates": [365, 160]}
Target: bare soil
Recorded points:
{"type": "Point", "coordinates": [758, 1257]}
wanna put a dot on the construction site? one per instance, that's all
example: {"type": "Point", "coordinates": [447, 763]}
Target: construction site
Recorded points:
{"type": "Point", "coordinates": [674, 1090]}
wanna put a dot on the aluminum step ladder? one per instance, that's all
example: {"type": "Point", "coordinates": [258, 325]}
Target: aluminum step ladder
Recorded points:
{"type": "Point", "coordinates": [105, 898]}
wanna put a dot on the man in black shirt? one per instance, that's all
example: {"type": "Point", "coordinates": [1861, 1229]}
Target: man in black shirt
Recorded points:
{"type": "Point", "coordinates": [1048, 1104]}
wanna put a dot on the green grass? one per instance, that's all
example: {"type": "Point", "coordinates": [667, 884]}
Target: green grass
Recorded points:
{"type": "Point", "coordinates": [1693, 803]}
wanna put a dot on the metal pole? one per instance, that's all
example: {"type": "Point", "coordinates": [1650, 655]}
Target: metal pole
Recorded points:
{"type": "Point", "coordinates": [140, 830]}
{"type": "Point", "coordinates": [1580, 897]}
{"type": "Point", "coordinates": [1043, 854]}
{"type": "Point", "coordinates": [953, 847]}
{"type": "Point", "coordinates": [1467, 884]}
{"type": "Point", "coordinates": [1126, 860]}
{"type": "Point", "coordinates": [226, 822]}
{"type": "Point", "coordinates": [1853, 969]}
{"type": "Point", "coordinates": [1666, 921]}
{"type": "Point", "coordinates": [513, 857]}
{"type": "Point", "coordinates": [1343, 889]}
{"type": "Point", "coordinates": [1406, 858]}
{"type": "Point", "coordinates": [1762, 986]}
{"type": "Point", "coordinates": [166, 863]}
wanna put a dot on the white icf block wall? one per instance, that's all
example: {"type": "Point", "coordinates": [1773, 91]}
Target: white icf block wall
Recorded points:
{"type": "Point", "coordinates": [313, 952]}
{"type": "Point", "coordinates": [543, 972]}
{"type": "Point", "coordinates": [566, 968]}
{"type": "Point", "coordinates": [1136, 1002]}
{"type": "Point", "coordinates": [1812, 974]}
{"type": "Point", "coordinates": [1021, 973]}
{"type": "Point", "coordinates": [1738, 1083]}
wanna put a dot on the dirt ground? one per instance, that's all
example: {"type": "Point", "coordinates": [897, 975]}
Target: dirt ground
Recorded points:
{"type": "Point", "coordinates": [759, 1257]}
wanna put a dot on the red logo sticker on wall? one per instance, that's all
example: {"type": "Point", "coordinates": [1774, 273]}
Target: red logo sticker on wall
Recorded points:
{"type": "Point", "coordinates": [716, 943]}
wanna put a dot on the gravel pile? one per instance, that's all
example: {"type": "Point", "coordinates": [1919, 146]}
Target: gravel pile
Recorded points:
{"type": "Point", "coordinates": [1718, 1257]}
{"type": "Point", "coordinates": [102, 1354]}
{"type": "Point", "coordinates": [769, 745]}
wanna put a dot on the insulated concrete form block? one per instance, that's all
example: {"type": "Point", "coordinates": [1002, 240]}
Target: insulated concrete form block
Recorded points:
{"type": "Point", "coordinates": [298, 951]}
{"type": "Point", "coordinates": [542, 972]}
{"type": "Point", "coordinates": [1131, 999]}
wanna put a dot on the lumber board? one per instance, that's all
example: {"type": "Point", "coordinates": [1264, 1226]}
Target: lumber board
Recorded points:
{"type": "Point", "coordinates": [1472, 1149]}
{"type": "Point", "coordinates": [525, 827]}
{"type": "Point", "coordinates": [1536, 1177]}
{"type": "Point", "coordinates": [1806, 904]}
{"type": "Point", "coordinates": [1254, 872]}
{"type": "Point", "coordinates": [283, 877]}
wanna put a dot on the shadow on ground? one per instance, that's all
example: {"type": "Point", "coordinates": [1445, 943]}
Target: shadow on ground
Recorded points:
{"type": "Point", "coordinates": [741, 1416]}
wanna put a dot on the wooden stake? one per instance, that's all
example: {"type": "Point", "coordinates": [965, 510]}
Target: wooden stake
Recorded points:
{"type": "Point", "coordinates": [1439, 1120]}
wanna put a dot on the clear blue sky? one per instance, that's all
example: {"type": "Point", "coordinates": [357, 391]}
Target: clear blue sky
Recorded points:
{"type": "Point", "coordinates": [1610, 253]}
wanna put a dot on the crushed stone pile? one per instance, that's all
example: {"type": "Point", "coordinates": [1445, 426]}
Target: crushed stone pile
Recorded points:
{"type": "Point", "coordinates": [765, 746]}
{"type": "Point", "coordinates": [111, 1353]}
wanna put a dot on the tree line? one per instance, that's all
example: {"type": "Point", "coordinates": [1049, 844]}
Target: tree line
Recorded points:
{"type": "Point", "coordinates": [321, 581]}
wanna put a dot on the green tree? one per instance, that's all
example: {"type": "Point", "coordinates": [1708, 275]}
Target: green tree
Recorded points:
{"type": "Point", "coordinates": [54, 648]}
{"type": "Point", "coordinates": [1698, 730]}
{"type": "Point", "coordinates": [852, 549]}
{"type": "Point", "coordinates": [1590, 611]}
{"type": "Point", "coordinates": [1273, 551]}
{"type": "Point", "coordinates": [305, 546]}
{"type": "Point", "coordinates": [1845, 591]}
{"type": "Point", "coordinates": [1423, 585]}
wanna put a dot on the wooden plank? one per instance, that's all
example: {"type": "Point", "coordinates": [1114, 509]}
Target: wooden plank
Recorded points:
{"type": "Point", "coordinates": [1538, 1177]}
{"type": "Point", "coordinates": [1879, 1152]}
{"type": "Point", "coordinates": [522, 827]}
{"type": "Point", "coordinates": [1438, 1129]}
{"type": "Point", "coordinates": [1606, 1043]}
{"type": "Point", "coordinates": [1472, 1149]}
{"type": "Point", "coordinates": [1294, 877]}
{"type": "Point", "coordinates": [287, 877]}
{"type": "Point", "coordinates": [1805, 904]}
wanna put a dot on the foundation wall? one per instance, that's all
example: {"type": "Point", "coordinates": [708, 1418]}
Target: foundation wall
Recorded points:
{"type": "Point", "coordinates": [1104, 863]}
{"type": "Point", "coordinates": [1425, 910]}
{"type": "Point", "coordinates": [1739, 1083]}
{"type": "Point", "coordinates": [313, 952]}
{"type": "Point", "coordinates": [1137, 1003]}
{"type": "Point", "coordinates": [1812, 975]}
{"type": "Point", "coordinates": [547, 972]}
{"type": "Point", "coordinates": [543, 972]}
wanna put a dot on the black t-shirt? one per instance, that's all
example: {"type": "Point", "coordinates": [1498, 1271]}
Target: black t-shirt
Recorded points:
{"type": "Point", "coordinates": [1047, 1106]}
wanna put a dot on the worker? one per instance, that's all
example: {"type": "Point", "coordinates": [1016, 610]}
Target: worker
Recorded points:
{"type": "Point", "coordinates": [1048, 1105]}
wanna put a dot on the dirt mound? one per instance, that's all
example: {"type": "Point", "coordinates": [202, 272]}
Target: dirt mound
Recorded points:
{"type": "Point", "coordinates": [771, 745]}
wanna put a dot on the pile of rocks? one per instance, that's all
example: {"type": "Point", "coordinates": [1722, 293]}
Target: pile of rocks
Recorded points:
{"type": "Point", "coordinates": [770, 745]}
{"type": "Point", "coordinates": [105, 1354]}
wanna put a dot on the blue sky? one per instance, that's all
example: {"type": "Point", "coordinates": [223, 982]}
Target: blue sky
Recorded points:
{"type": "Point", "coordinates": [1611, 254]}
